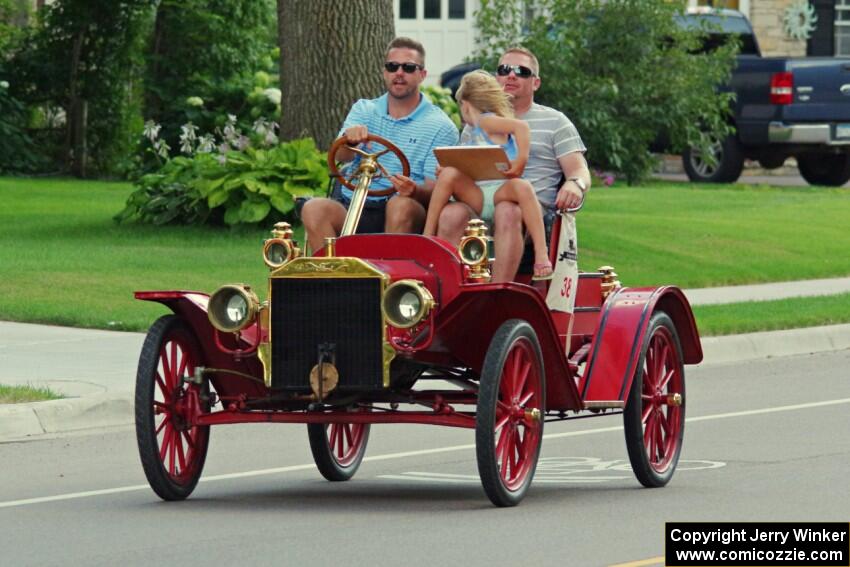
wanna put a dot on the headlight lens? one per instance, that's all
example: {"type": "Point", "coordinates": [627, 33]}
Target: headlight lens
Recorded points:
{"type": "Point", "coordinates": [232, 308]}
{"type": "Point", "coordinates": [406, 303]}
{"type": "Point", "coordinates": [409, 305]}
{"type": "Point", "coordinates": [237, 309]}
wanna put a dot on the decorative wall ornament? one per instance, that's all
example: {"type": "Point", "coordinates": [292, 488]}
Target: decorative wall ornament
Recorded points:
{"type": "Point", "coordinates": [800, 20]}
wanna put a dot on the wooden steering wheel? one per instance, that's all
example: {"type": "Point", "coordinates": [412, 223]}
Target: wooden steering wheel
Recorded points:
{"type": "Point", "coordinates": [369, 163]}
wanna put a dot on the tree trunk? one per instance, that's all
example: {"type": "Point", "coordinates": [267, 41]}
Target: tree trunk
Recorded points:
{"type": "Point", "coordinates": [330, 55]}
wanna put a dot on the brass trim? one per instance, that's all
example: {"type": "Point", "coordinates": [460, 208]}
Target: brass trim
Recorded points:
{"type": "Point", "coordinates": [250, 298]}
{"type": "Point", "coordinates": [611, 404]}
{"type": "Point", "coordinates": [287, 256]}
{"type": "Point", "coordinates": [426, 303]}
{"type": "Point", "coordinates": [476, 232]}
{"type": "Point", "coordinates": [322, 267]}
{"type": "Point", "coordinates": [674, 399]}
{"type": "Point", "coordinates": [609, 280]}
{"type": "Point", "coordinates": [367, 169]}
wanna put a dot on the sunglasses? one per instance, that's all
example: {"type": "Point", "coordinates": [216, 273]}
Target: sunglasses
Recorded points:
{"type": "Point", "coordinates": [520, 71]}
{"type": "Point", "coordinates": [392, 67]}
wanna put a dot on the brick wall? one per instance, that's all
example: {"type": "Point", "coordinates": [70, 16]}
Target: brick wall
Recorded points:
{"type": "Point", "coordinates": [768, 19]}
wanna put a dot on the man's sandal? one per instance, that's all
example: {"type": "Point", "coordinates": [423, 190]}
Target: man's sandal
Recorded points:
{"type": "Point", "coordinates": [544, 267]}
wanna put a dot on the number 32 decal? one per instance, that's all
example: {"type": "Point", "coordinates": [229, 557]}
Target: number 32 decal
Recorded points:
{"type": "Point", "coordinates": [568, 284]}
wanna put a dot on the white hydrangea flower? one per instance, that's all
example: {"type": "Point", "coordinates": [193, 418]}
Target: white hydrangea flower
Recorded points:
{"type": "Point", "coordinates": [4, 84]}
{"type": "Point", "coordinates": [206, 143]}
{"type": "Point", "coordinates": [195, 101]}
{"type": "Point", "coordinates": [162, 148]}
{"type": "Point", "coordinates": [151, 130]}
{"type": "Point", "coordinates": [273, 95]}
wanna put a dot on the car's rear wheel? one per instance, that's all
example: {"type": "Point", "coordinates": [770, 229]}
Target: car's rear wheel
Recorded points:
{"type": "Point", "coordinates": [654, 418]}
{"type": "Point", "coordinates": [722, 163]}
{"type": "Point", "coordinates": [171, 449]}
{"type": "Point", "coordinates": [832, 170]}
{"type": "Point", "coordinates": [511, 406]}
{"type": "Point", "coordinates": [338, 448]}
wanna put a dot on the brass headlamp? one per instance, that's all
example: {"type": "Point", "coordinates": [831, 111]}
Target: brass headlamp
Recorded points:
{"type": "Point", "coordinates": [280, 248]}
{"type": "Point", "coordinates": [474, 250]}
{"type": "Point", "coordinates": [233, 307]}
{"type": "Point", "coordinates": [406, 303]}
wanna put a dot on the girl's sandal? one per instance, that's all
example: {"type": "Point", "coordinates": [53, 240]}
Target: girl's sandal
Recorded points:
{"type": "Point", "coordinates": [542, 272]}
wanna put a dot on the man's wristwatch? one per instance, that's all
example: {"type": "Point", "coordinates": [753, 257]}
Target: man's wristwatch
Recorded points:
{"type": "Point", "coordinates": [580, 183]}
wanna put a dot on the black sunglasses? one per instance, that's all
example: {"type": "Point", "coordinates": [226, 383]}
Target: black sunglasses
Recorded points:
{"type": "Point", "coordinates": [392, 67]}
{"type": "Point", "coordinates": [520, 71]}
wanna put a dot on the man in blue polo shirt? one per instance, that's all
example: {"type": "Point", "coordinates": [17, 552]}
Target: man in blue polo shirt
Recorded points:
{"type": "Point", "coordinates": [407, 119]}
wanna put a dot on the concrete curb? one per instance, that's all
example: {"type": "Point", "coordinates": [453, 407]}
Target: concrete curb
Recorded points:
{"type": "Point", "coordinates": [20, 422]}
{"type": "Point", "coordinates": [24, 421]}
{"type": "Point", "coordinates": [768, 344]}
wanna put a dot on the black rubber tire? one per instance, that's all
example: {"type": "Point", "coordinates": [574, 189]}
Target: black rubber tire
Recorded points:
{"type": "Point", "coordinates": [328, 464]}
{"type": "Point", "coordinates": [730, 163]}
{"type": "Point", "coordinates": [646, 474]}
{"type": "Point", "coordinates": [168, 486]}
{"type": "Point", "coordinates": [831, 170]}
{"type": "Point", "coordinates": [510, 334]}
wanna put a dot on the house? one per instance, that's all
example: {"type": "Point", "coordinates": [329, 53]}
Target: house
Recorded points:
{"type": "Point", "coordinates": [447, 27]}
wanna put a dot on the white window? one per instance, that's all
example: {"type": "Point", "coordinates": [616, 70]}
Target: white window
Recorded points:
{"type": "Point", "coordinates": [842, 27]}
{"type": "Point", "coordinates": [445, 27]}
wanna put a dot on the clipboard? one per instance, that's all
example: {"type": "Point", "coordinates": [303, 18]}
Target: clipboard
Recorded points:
{"type": "Point", "coordinates": [478, 162]}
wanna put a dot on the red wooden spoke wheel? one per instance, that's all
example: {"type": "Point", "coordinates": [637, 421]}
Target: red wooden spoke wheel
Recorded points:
{"type": "Point", "coordinates": [338, 448]}
{"type": "Point", "coordinates": [171, 449]}
{"type": "Point", "coordinates": [389, 147]}
{"type": "Point", "coordinates": [509, 420]}
{"type": "Point", "coordinates": [654, 418]}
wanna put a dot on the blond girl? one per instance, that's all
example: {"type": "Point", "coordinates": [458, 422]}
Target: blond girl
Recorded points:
{"type": "Point", "coordinates": [487, 111]}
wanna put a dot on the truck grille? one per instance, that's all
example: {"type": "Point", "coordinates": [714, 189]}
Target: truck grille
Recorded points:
{"type": "Point", "coordinates": [306, 312]}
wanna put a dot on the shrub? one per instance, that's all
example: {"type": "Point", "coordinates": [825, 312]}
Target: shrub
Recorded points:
{"type": "Point", "coordinates": [236, 186]}
{"type": "Point", "coordinates": [442, 97]}
{"type": "Point", "coordinates": [622, 70]}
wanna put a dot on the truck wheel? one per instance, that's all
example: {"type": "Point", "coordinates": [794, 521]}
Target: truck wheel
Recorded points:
{"type": "Point", "coordinates": [654, 418]}
{"type": "Point", "coordinates": [729, 162]}
{"type": "Point", "coordinates": [338, 448]}
{"type": "Point", "coordinates": [509, 416]}
{"type": "Point", "coordinates": [832, 170]}
{"type": "Point", "coordinates": [171, 449]}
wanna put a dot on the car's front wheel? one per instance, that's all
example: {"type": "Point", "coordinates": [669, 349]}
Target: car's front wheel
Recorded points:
{"type": "Point", "coordinates": [511, 407]}
{"type": "Point", "coordinates": [338, 448]}
{"type": "Point", "coordinates": [172, 449]}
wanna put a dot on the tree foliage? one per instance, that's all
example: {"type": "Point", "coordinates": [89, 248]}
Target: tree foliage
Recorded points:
{"type": "Point", "coordinates": [208, 50]}
{"type": "Point", "coordinates": [622, 70]}
{"type": "Point", "coordinates": [83, 57]}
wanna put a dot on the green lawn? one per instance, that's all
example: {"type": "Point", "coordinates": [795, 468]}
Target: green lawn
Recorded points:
{"type": "Point", "coordinates": [734, 318]}
{"type": "Point", "coordinates": [64, 261]}
{"type": "Point", "coordinates": [711, 235]}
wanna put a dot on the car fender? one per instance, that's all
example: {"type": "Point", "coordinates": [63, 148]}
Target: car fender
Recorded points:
{"type": "Point", "coordinates": [467, 325]}
{"type": "Point", "coordinates": [191, 307]}
{"type": "Point", "coordinates": [620, 335]}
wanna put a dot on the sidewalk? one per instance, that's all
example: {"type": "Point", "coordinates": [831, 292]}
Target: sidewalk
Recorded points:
{"type": "Point", "coordinates": [96, 370]}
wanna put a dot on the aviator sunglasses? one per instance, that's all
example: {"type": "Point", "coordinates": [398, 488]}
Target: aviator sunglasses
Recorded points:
{"type": "Point", "coordinates": [520, 71]}
{"type": "Point", "coordinates": [392, 67]}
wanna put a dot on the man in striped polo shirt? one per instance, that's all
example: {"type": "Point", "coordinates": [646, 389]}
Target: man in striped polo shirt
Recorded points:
{"type": "Point", "coordinates": [407, 119]}
{"type": "Point", "coordinates": [556, 167]}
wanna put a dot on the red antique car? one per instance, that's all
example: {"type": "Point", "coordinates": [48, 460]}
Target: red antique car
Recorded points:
{"type": "Point", "coordinates": [402, 328]}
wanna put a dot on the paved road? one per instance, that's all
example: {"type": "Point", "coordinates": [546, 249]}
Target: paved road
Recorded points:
{"type": "Point", "coordinates": [765, 440]}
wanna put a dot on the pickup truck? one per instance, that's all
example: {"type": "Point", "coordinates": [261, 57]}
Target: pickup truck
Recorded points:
{"type": "Point", "coordinates": [783, 107]}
